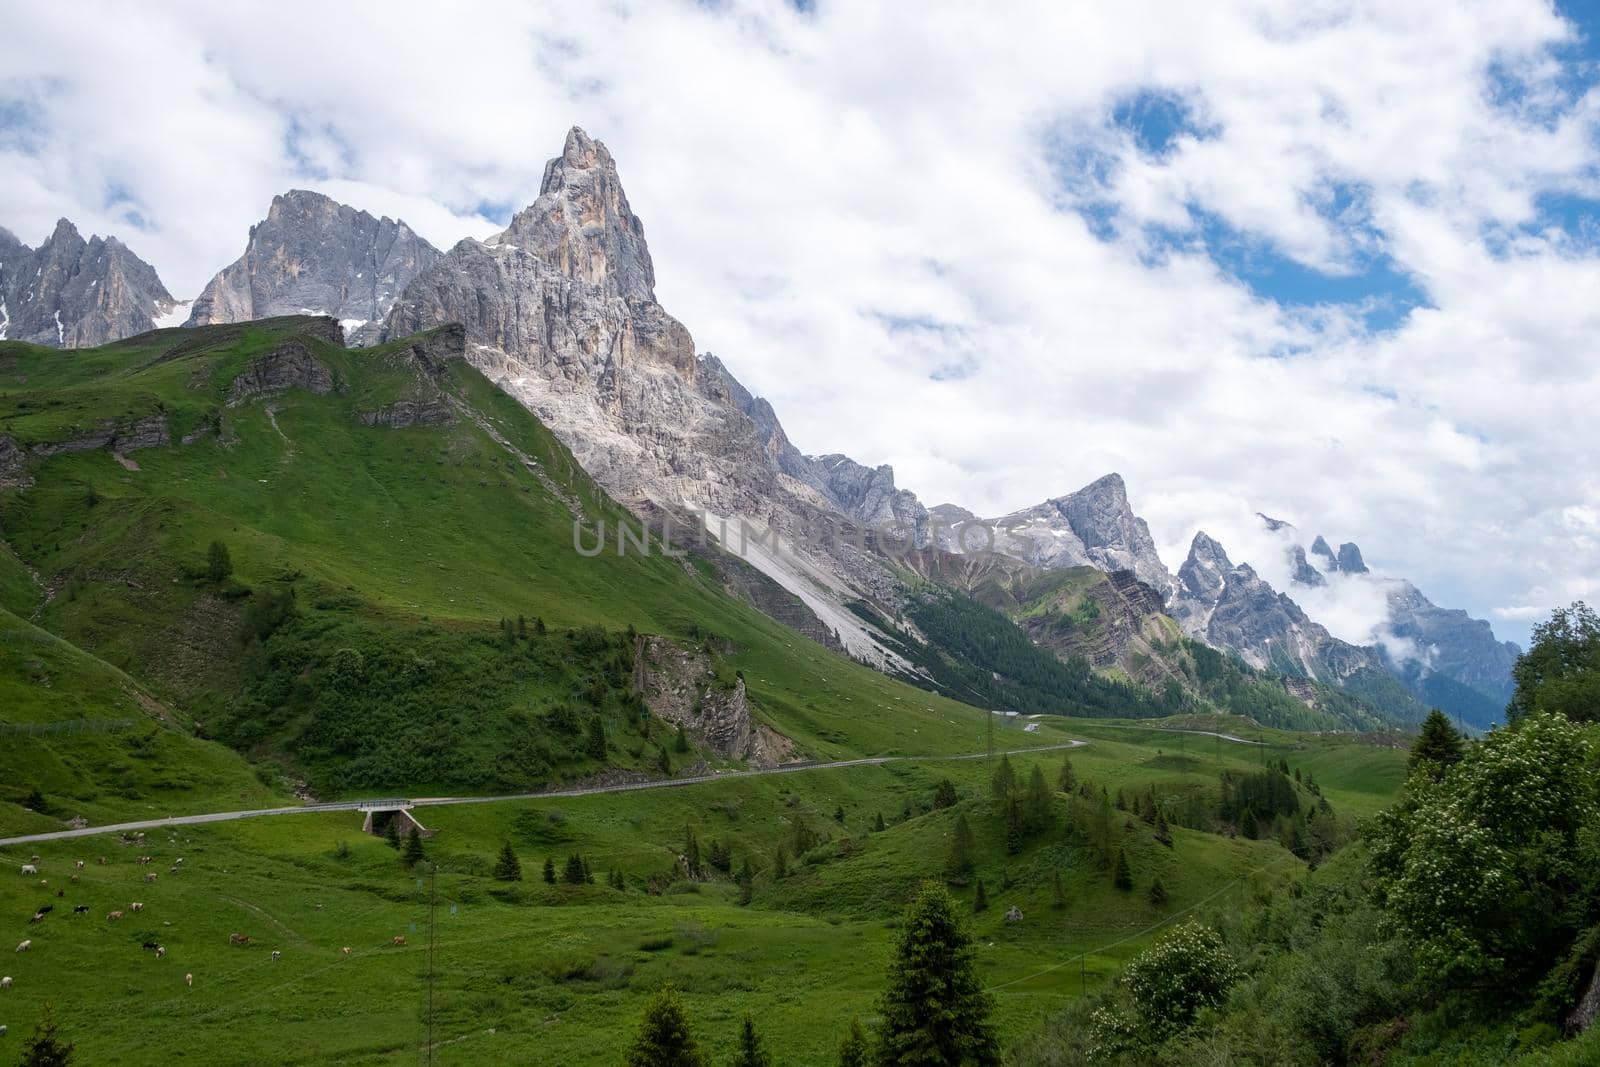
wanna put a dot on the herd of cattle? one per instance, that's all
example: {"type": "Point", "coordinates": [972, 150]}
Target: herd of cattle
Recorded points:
{"type": "Point", "coordinates": [31, 870]}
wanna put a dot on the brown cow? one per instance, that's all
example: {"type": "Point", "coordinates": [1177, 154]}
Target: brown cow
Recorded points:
{"type": "Point", "coordinates": [238, 939]}
{"type": "Point", "coordinates": [136, 906]}
{"type": "Point", "coordinates": [113, 916]}
{"type": "Point", "coordinates": [399, 941]}
{"type": "Point", "coordinates": [150, 877]}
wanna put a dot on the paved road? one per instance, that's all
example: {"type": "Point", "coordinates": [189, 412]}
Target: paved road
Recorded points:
{"type": "Point", "coordinates": [424, 802]}
{"type": "Point", "coordinates": [1176, 730]}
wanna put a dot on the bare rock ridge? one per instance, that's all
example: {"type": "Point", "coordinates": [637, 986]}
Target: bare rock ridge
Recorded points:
{"type": "Point", "coordinates": [73, 293]}
{"type": "Point", "coordinates": [681, 686]}
{"type": "Point", "coordinates": [314, 256]}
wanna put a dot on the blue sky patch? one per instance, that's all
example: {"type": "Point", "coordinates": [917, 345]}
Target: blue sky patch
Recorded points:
{"type": "Point", "coordinates": [1156, 118]}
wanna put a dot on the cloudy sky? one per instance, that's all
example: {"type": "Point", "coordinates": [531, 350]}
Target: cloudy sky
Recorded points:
{"type": "Point", "coordinates": [1335, 262]}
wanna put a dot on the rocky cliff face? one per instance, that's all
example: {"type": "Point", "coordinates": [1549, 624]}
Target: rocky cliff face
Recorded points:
{"type": "Point", "coordinates": [314, 256]}
{"type": "Point", "coordinates": [680, 685]}
{"type": "Point", "coordinates": [1094, 527]}
{"type": "Point", "coordinates": [72, 293]}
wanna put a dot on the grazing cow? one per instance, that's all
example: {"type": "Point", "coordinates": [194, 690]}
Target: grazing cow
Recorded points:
{"type": "Point", "coordinates": [113, 916]}
{"type": "Point", "coordinates": [160, 952]}
{"type": "Point", "coordinates": [136, 906]}
{"type": "Point", "coordinates": [150, 877]}
{"type": "Point", "coordinates": [188, 979]}
{"type": "Point", "coordinates": [101, 861]}
{"type": "Point", "coordinates": [24, 946]}
{"type": "Point", "coordinates": [5, 983]}
{"type": "Point", "coordinates": [172, 870]}
{"type": "Point", "coordinates": [45, 909]}
{"type": "Point", "coordinates": [275, 955]}
{"type": "Point", "coordinates": [178, 862]}
{"type": "Point", "coordinates": [398, 941]}
{"type": "Point", "coordinates": [28, 868]}
{"type": "Point", "coordinates": [33, 858]}
{"type": "Point", "coordinates": [238, 939]}
{"type": "Point", "coordinates": [73, 879]}
{"type": "Point", "coordinates": [81, 909]}
{"type": "Point", "coordinates": [346, 950]}
{"type": "Point", "coordinates": [144, 861]}
{"type": "Point", "coordinates": [149, 946]}
{"type": "Point", "coordinates": [78, 865]}
{"type": "Point", "coordinates": [38, 917]}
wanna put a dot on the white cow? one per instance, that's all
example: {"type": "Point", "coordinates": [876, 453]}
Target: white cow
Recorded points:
{"type": "Point", "coordinates": [188, 979]}
{"type": "Point", "coordinates": [5, 983]}
{"type": "Point", "coordinates": [24, 946]}
{"type": "Point", "coordinates": [136, 906]}
{"type": "Point", "coordinates": [275, 955]}
{"type": "Point", "coordinates": [28, 868]}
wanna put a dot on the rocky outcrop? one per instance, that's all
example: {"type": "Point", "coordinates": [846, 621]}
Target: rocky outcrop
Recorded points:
{"type": "Point", "coordinates": [681, 686]}
{"type": "Point", "coordinates": [72, 293]}
{"type": "Point", "coordinates": [314, 256]}
{"type": "Point", "coordinates": [13, 465]}
{"type": "Point", "coordinates": [1112, 621]}
{"type": "Point", "coordinates": [290, 364]}
{"type": "Point", "coordinates": [148, 432]}
{"type": "Point", "coordinates": [424, 402]}
{"type": "Point", "coordinates": [414, 410]}
{"type": "Point", "coordinates": [868, 495]}
{"type": "Point", "coordinates": [1304, 573]}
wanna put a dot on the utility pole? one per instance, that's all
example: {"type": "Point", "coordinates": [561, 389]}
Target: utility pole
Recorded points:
{"type": "Point", "coordinates": [433, 936]}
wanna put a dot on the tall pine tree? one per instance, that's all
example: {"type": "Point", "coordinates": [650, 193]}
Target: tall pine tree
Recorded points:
{"type": "Point", "coordinates": [508, 868]}
{"type": "Point", "coordinates": [958, 867]}
{"type": "Point", "coordinates": [44, 1048]}
{"type": "Point", "coordinates": [1438, 745]}
{"type": "Point", "coordinates": [854, 1051]}
{"type": "Point", "coordinates": [935, 1010]}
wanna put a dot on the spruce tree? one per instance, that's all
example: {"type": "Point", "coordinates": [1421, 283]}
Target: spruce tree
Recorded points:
{"type": "Point", "coordinates": [573, 873]}
{"type": "Point", "coordinates": [508, 868]}
{"type": "Point", "coordinates": [1038, 809]}
{"type": "Point", "coordinates": [747, 883]}
{"type": "Point", "coordinates": [682, 741]}
{"type": "Point", "coordinates": [853, 1051]}
{"type": "Point", "coordinates": [549, 871]}
{"type": "Point", "coordinates": [1248, 825]}
{"type": "Point", "coordinates": [219, 564]}
{"type": "Point", "coordinates": [838, 814]}
{"type": "Point", "coordinates": [391, 832]}
{"type": "Point", "coordinates": [1158, 893]}
{"type": "Point", "coordinates": [691, 851]}
{"type": "Point", "coordinates": [1163, 831]}
{"type": "Point", "coordinates": [980, 899]}
{"type": "Point", "coordinates": [1122, 878]}
{"type": "Point", "coordinates": [1438, 745]}
{"type": "Point", "coordinates": [1066, 780]}
{"type": "Point", "coordinates": [958, 866]}
{"type": "Point", "coordinates": [596, 741]}
{"type": "Point", "coordinates": [780, 864]}
{"type": "Point", "coordinates": [935, 1010]}
{"type": "Point", "coordinates": [1015, 829]}
{"type": "Point", "coordinates": [43, 1048]}
{"type": "Point", "coordinates": [751, 1052]}
{"type": "Point", "coordinates": [878, 823]}
{"type": "Point", "coordinates": [1004, 786]}
{"type": "Point", "coordinates": [664, 1038]}
{"type": "Point", "coordinates": [1058, 896]}
{"type": "Point", "coordinates": [413, 853]}
{"type": "Point", "coordinates": [944, 796]}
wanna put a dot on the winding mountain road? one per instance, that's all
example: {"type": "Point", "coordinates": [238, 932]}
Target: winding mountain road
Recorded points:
{"type": "Point", "coordinates": [428, 802]}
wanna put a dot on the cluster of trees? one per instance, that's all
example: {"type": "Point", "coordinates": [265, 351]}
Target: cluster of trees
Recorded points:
{"type": "Point", "coordinates": [1465, 929]}
{"type": "Point", "coordinates": [933, 1009]}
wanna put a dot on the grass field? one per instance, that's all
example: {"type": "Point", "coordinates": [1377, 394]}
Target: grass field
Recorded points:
{"type": "Point", "coordinates": [563, 971]}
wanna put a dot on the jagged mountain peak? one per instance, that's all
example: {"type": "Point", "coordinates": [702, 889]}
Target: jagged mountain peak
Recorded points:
{"type": "Point", "coordinates": [76, 293]}
{"type": "Point", "coordinates": [1350, 561]}
{"type": "Point", "coordinates": [312, 254]}
{"type": "Point", "coordinates": [581, 223]}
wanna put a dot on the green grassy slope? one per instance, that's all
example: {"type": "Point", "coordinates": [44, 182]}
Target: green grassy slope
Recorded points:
{"type": "Point", "coordinates": [562, 972]}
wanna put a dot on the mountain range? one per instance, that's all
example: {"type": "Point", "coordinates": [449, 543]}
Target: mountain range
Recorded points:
{"type": "Point", "coordinates": [559, 310]}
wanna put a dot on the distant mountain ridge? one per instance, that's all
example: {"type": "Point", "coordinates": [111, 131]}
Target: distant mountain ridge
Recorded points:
{"type": "Point", "coordinates": [76, 293]}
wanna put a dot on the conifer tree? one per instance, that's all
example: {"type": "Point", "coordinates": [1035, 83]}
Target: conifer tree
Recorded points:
{"type": "Point", "coordinates": [1163, 831]}
{"type": "Point", "coordinates": [508, 868]}
{"type": "Point", "coordinates": [1066, 780]}
{"type": "Point", "coordinates": [1014, 826]}
{"type": "Point", "coordinates": [878, 824]}
{"type": "Point", "coordinates": [43, 1048]}
{"type": "Point", "coordinates": [391, 832]}
{"type": "Point", "coordinates": [682, 742]}
{"type": "Point", "coordinates": [413, 852]}
{"type": "Point", "coordinates": [1248, 826]}
{"type": "Point", "coordinates": [838, 814]}
{"type": "Point", "coordinates": [1058, 896]}
{"type": "Point", "coordinates": [573, 873]}
{"type": "Point", "coordinates": [944, 796]}
{"type": "Point", "coordinates": [751, 1052]}
{"type": "Point", "coordinates": [1004, 786]}
{"type": "Point", "coordinates": [958, 866]}
{"type": "Point", "coordinates": [549, 871]}
{"type": "Point", "coordinates": [1438, 745]}
{"type": "Point", "coordinates": [1158, 893]}
{"type": "Point", "coordinates": [747, 883]}
{"type": "Point", "coordinates": [664, 1038]}
{"type": "Point", "coordinates": [980, 899]}
{"type": "Point", "coordinates": [935, 1010]}
{"type": "Point", "coordinates": [780, 864]}
{"type": "Point", "coordinates": [219, 564]}
{"type": "Point", "coordinates": [854, 1051]}
{"type": "Point", "coordinates": [691, 851]}
{"type": "Point", "coordinates": [1039, 807]}
{"type": "Point", "coordinates": [1123, 875]}
{"type": "Point", "coordinates": [596, 741]}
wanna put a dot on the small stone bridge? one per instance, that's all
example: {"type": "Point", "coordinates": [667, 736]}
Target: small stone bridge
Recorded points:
{"type": "Point", "coordinates": [380, 813]}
